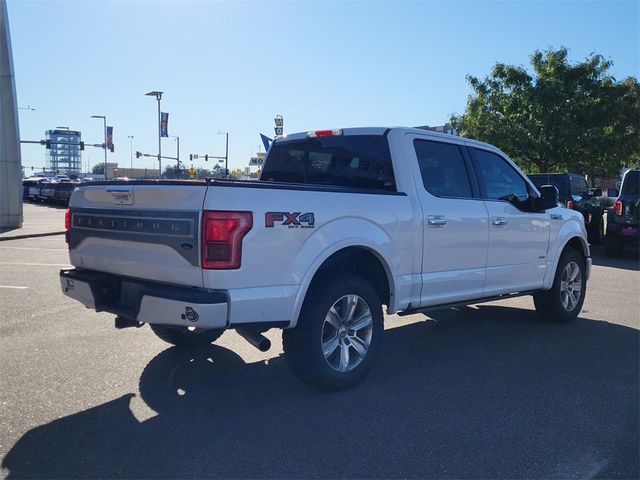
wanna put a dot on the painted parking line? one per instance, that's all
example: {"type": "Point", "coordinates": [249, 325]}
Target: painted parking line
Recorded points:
{"type": "Point", "coordinates": [36, 248]}
{"type": "Point", "coordinates": [38, 264]}
{"type": "Point", "coordinates": [13, 287]}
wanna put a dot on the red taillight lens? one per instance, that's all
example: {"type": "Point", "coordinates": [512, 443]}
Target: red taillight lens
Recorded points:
{"type": "Point", "coordinates": [570, 204]}
{"type": "Point", "coordinates": [67, 220]}
{"type": "Point", "coordinates": [617, 207]}
{"type": "Point", "coordinates": [222, 234]}
{"type": "Point", "coordinates": [325, 133]}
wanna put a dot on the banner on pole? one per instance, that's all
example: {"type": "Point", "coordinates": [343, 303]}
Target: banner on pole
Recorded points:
{"type": "Point", "coordinates": [164, 124]}
{"type": "Point", "coordinates": [110, 138]}
{"type": "Point", "coordinates": [266, 141]}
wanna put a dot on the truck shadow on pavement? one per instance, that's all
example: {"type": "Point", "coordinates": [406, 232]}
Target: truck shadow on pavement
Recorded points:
{"type": "Point", "coordinates": [486, 392]}
{"type": "Point", "coordinates": [629, 261]}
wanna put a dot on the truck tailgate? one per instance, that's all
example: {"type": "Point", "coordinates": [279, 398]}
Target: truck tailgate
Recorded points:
{"type": "Point", "coordinates": [149, 231]}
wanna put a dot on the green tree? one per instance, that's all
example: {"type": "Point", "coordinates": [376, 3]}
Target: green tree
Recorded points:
{"type": "Point", "coordinates": [98, 168]}
{"type": "Point", "coordinates": [173, 172]}
{"type": "Point", "coordinates": [561, 116]}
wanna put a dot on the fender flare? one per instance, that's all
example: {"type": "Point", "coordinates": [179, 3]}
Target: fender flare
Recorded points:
{"type": "Point", "coordinates": [567, 234]}
{"type": "Point", "coordinates": [324, 255]}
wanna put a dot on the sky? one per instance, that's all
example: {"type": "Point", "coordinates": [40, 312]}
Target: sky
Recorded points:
{"type": "Point", "coordinates": [231, 66]}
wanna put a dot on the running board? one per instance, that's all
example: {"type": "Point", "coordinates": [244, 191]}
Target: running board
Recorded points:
{"type": "Point", "coordinates": [446, 306]}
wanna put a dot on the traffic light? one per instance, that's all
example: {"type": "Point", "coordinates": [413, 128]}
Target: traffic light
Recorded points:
{"type": "Point", "coordinates": [206, 158]}
{"type": "Point", "coordinates": [111, 148]}
{"type": "Point", "coordinates": [138, 154]}
{"type": "Point", "coordinates": [191, 157]}
{"type": "Point", "coordinates": [81, 145]}
{"type": "Point", "coordinates": [47, 144]}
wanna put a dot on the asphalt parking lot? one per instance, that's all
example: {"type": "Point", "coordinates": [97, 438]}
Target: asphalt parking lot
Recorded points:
{"type": "Point", "coordinates": [488, 391]}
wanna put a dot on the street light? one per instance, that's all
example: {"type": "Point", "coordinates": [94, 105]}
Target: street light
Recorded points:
{"type": "Point", "coordinates": [158, 96]}
{"type": "Point", "coordinates": [28, 107]}
{"type": "Point", "coordinates": [226, 154]}
{"type": "Point", "coordinates": [130, 137]}
{"type": "Point", "coordinates": [104, 118]}
{"type": "Point", "coordinates": [68, 150]}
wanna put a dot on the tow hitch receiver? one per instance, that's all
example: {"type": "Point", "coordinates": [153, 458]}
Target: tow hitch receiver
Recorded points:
{"type": "Point", "coordinates": [122, 322]}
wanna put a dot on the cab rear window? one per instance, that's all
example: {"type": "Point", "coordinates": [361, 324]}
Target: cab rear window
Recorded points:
{"type": "Point", "coordinates": [355, 161]}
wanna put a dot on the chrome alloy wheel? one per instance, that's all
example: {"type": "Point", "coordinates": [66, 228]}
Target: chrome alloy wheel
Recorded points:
{"type": "Point", "coordinates": [570, 286]}
{"type": "Point", "coordinates": [346, 333]}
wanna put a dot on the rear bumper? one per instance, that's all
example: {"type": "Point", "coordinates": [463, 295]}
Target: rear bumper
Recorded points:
{"type": "Point", "coordinates": [146, 302]}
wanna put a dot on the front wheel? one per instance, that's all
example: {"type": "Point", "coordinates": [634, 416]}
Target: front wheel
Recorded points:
{"type": "Point", "coordinates": [183, 337]}
{"type": "Point", "coordinates": [339, 332]}
{"type": "Point", "coordinates": [564, 301]}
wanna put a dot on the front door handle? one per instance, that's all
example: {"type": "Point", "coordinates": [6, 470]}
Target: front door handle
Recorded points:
{"type": "Point", "coordinates": [499, 222]}
{"type": "Point", "coordinates": [436, 221]}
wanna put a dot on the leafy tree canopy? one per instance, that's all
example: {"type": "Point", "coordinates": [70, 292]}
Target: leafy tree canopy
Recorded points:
{"type": "Point", "coordinates": [98, 168]}
{"type": "Point", "coordinates": [558, 117]}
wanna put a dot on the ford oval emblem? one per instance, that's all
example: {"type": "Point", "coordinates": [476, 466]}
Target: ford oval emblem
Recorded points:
{"type": "Point", "coordinates": [187, 246]}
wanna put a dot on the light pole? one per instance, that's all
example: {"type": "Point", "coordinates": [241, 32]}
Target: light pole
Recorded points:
{"type": "Point", "coordinates": [68, 149]}
{"type": "Point", "coordinates": [130, 137]}
{"type": "Point", "coordinates": [158, 96]}
{"type": "Point", "coordinates": [177, 149]}
{"type": "Point", "coordinates": [226, 154]}
{"type": "Point", "coordinates": [104, 118]}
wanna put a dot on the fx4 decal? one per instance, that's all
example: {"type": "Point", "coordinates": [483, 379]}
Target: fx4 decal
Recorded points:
{"type": "Point", "coordinates": [291, 220]}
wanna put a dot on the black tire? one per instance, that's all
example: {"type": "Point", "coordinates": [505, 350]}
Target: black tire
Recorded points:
{"type": "Point", "coordinates": [596, 231]}
{"type": "Point", "coordinates": [549, 303]}
{"type": "Point", "coordinates": [614, 245]}
{"type": "Point", "coordinates": [303, 344]}
{"type": "Point", "coordinates": [182, 337]}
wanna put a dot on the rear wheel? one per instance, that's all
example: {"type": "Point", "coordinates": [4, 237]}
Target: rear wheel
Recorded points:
{"type": "Point", "coordinates": [339, 332]}
{"type": "Point", "coordinates": [614, 245]}
{"type": "Point", "coordinates": [184, 337]}
{"type": "Point", "coordinates": [563, 302]}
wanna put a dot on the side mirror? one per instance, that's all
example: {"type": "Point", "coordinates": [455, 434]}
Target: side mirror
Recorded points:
{"type": "Point", "coordinates": [612, 192]}
{"type": "Point", "coordinates": [548, 197]}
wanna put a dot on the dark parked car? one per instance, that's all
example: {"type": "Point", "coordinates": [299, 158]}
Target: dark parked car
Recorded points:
{"type": "Point", "coordinates": [623, 218]}
{"type": "Point", "coordinates": [59, 192]}
{"type": "Point", "coordinates": [574, 193]}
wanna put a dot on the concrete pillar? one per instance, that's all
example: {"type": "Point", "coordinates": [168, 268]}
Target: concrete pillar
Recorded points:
{"type": "Point", "coordinates": [10, 163]}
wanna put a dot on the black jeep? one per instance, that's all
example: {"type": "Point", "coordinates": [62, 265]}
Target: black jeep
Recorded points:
{"type": "Point", "coordinates": [574, 193]}
{"type": "Point", "coordinates": [624, 217]}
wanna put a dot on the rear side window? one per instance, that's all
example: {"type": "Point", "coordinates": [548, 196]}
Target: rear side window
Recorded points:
{"type": "Point", "coordinates": [498, 180]}
{"type": "Point", "coordinates": [631, 184]}
{"type": "Point", "coordinates": [578, 186]}
{"type": "Point", "coordinates": [442, 168]}
{"type": "Point", "coordinates": [359, 161]}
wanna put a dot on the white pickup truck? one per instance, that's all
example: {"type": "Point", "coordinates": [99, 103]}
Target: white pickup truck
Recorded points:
{"type": "Point", "coordinates": [340, 223]}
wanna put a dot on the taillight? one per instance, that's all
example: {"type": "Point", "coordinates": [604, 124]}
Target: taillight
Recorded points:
{"type": "Point", "coordinates": [222, 234]}
{"type": "Point", "coordinates": [570, 204]}
{"type": "Point", "coordinates": [67, 225]}
{"type": "Point", "coordinates": [617, 207]}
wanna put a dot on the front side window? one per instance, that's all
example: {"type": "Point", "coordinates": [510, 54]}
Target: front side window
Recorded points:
{"type": "Point", "coordinates": [358, 161]}
{"type": "Point", "coordinates": [498, 180]}
{"type": "Point", "coordinates": [442, 168]}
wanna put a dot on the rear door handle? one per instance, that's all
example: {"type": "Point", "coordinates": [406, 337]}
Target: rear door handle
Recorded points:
{"type": "Point", "coordinates": [436, 221]}
{"type": "Point", "coordinates": [499, 222]}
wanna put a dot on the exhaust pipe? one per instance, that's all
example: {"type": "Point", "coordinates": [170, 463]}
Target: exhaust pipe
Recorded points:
{"type": "Point", "coordinates": [122, 322]}
{"type": "Point", "coordinates": [256, 339]}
